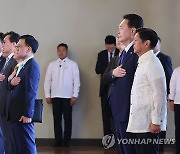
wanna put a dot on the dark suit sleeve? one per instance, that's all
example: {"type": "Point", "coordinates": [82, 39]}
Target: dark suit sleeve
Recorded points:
{"type": "Point", "coordinates": [107, 76]}
{"type": "Point", "coordinates": [100, 67]}
{"type": "Point", "coordinates": [168, 70]}
{"type": "Point", "coordinates": [31, 87]}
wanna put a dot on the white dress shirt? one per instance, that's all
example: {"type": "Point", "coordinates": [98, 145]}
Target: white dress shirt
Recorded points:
{"type": "Point", "coordinates": [22, 63]}
{"type": "Point", "coordinates": [9, 57]}
{"type": "Point", "coordinates": [175, 86]}
{"type": "Point", "coordinates": [62, 79]}
{"type": "Point", "coordinates": [148, 95]}
{"type": "Point", "coordinates": [109, 55]}
{"type": "Point", "coordinates": [126, 48]}
{"type": "Point", "coordinates": [0, 54]}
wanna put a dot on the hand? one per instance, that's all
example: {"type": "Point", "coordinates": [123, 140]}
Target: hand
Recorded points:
{"type": "Point", "coordinates": [25, 119]}
{"type": "Point", "coordinates": [2, 77]}
{"type": "Point", "coordinates": [12, 75]}
{"type": "Point", "coordinates": [49, 100]}
{"type": "Point", "coordinates": [155, 129]}
{"type": "Point", "coordinates": [73, 101]}
{"type": "Point", "coordinates": [15, 81]}
{"type": "Point", "coordinates": [119, 72]}
{"type": "Point", "coordinates": [172, 105]}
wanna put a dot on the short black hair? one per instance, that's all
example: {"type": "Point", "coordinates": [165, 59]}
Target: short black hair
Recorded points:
{"type": "Point", "coordinates": [134, 21]}
{"type": "Point", "coordinates": [1, 36]}
{"type": "Point", "coordinates": [148, 34]}
{"type": "Point", "coordinates": [110, 39]}
{"type": "Point", "coordinates": [63, 45]}
{"type": "Point", "coordinates": [14, 37]}
{"type": "Point", "coordinates": [31, 41]}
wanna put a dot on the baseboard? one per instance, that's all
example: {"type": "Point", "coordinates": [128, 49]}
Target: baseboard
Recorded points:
{"type": "Point", "coordinates": [74, 142]}
{"type": "Point", "coordinates": [82, 142]}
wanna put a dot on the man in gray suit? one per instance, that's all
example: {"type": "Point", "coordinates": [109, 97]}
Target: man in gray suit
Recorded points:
{"type": "Point", "coordinates": [10, 40]}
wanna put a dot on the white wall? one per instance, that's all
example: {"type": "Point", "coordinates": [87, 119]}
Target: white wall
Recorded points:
{"type": "Point", "coordinates": [83, 25]}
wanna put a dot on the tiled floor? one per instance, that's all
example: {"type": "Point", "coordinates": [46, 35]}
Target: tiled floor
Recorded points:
{"type": "Point", "coordinates": [83, 150]}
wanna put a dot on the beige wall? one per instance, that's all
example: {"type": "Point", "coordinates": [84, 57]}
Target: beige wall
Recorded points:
{"type": "Point", "coordinates": [83, 25]}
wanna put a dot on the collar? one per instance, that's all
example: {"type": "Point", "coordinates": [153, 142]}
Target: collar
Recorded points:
{"type": "Point", "coordinates": [0, 54]}
{"type": "Point", "coordinates": [145, 56]}
{"type": "Point", "coordinates": [111, 52]}
{"type": "Point", "coordinates": [10, 56]}
{"type": "Point", "coordinates": [157, 53]}
{"type": "Point", "coordinates": [128, 47]}
{"type": "Point", "coordinates": [20, 63]}
{"type": "Point", "coordinates": [26, 60]}
{"type": "Point", "coordinates": [64, 60]}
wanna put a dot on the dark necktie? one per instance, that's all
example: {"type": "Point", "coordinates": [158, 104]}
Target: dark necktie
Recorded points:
{"type": "Point", "coordinates": [122, 56]}
{"type": "Point", "coordinates": [111, 55]}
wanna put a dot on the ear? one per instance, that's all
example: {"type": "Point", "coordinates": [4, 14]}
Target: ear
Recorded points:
{"type": "Point", "coordinates": [29, 49]}
{"type": "Point", "coordinates": [147, 43]}
{"type": "Point", "coordinates": [133, 30]}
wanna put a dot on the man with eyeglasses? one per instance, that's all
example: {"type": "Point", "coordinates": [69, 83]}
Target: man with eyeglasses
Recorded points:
{"type": "Point", "coordinates": [10, 40]}
{"type": "Point", "coordinates": [24, 88]}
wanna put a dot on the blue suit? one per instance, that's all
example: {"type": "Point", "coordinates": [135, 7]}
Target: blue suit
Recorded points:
{"type": "Point", "coordinates": [119, 95]}
{"type": "Point", "coordinates": [22, 99]}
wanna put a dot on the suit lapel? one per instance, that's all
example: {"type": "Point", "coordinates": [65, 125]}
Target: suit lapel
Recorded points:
{"type": "Point", "coordinates": [116, 52]}
{"type": "Point", "coordinates": [159, 55]}
{"type": "Point", "coordinates": [25, 66]}
{"type": "Point", "coordinates": [106, 57]}
{"type": "Point", "coordinates": [128, 55]}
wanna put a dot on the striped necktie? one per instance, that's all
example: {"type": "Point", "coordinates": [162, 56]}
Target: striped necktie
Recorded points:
{"type": "Point", "coordinates": [5, 65]}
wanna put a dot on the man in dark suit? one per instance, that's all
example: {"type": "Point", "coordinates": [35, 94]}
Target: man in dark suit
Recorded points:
{"type": "Point", "coordinates": [9, 42]}
{"type": "Point", "coordinates": [167, 65]}
{"type": "Point", "coordinates": [2, 59]}
{"type": "Point", "coordinates": [23, 94]}
{"type": "Point", "coordinates": [104, 58]}
{"type": "Point", "coordinates": [120, 73]}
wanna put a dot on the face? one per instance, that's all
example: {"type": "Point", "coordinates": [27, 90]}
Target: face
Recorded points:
{"type": "Point", "coordinates": [7, 46]}
{"type": "Point", "coordinates": [125, 34]}
{"type": "Point", "coordinates": [139, 46]}
{"type": "Point", "coordinates": [22, 50]}
{"type": "Point", "coordinates": [62, 52]}
{"type": "Point", "coordinates": [110, 47]}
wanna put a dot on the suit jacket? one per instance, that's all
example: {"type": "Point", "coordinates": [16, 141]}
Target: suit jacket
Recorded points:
{"type": "Point", "coordinates": [120, 89]}
{"type": "Point", "coordinates": [2, 62]}
{"type": "Point", "coordinates": [3, 86]}
{"type": "Point", "coordinates": [101, 66]}
{"type": "Point", "coordinates": [22, 96]}
{"type": "Point", "coordinates": [167, 65]}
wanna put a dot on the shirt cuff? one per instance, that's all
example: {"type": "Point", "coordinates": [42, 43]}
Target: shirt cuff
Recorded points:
{"type": "Point", "coordinates": [156, 120]}
{"type": "Point", "coordinates": [170, 97]}
{"type": "Point", "coordinates": [47, 95]}
{"type": "Point", "coordinates": [75, 95]}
